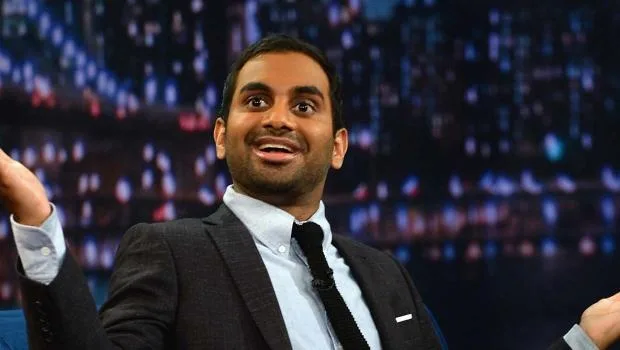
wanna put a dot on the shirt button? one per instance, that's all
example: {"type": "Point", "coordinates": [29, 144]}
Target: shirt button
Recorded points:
{"type": "Point", "coordinates": [46, 251]}
{"type": "Point", "coordinates": [282, 249]}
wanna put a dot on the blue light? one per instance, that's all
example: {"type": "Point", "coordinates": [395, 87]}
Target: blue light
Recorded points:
{"type": "Point", "coordinates": [548, 247]}
{"type": "Point", "coordinates": [554, 147]}
{"type": "Point", "coordinates": [57, 36]}
{"type": "Point", "coordinates": [608, 209]}
{"type": "Point", "coordinates": [608, 245]}
{"type": "Point", "coordinates": [403, 254]}
{"type": "Point", "coordinates": [550, 211]}
{"type": "Point", "coordinates": [449, 252]}
{"type": "Point", "coordinates": [490, 250]}
{"type": "Point", "coordinates": [150, 90]}
{"type": "Point", "coordinates": [171, 94]}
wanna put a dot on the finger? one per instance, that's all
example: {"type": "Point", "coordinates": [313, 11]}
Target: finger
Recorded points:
{"type": "Point", "coordinates": [614, 298]}
{"type": "Point", "coordinates": [4, 156]}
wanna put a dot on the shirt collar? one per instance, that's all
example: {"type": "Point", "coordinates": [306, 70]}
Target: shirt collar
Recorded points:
{"type": "Point", "coordinates": [269, 224]}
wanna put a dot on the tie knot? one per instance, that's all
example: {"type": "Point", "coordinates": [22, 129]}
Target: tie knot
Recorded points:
{"type": "Point", "coordinates": [309, 236]}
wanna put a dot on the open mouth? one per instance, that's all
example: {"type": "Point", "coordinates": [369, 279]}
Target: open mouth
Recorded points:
{"type": "Point", "coordinates": [272, 148]}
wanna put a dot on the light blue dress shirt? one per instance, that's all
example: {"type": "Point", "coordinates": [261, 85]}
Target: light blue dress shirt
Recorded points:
{"type": "Point", "coordinates": [42, 249]}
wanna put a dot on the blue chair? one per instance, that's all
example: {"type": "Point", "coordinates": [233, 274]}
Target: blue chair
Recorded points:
{"type": "Point", "coordinates": [13, 334]}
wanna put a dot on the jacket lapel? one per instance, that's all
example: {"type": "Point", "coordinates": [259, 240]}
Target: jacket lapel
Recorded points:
{"type": "Point", "coordinates": [369, 275]}
{"type": "Point", "coordinates": [249, 273]}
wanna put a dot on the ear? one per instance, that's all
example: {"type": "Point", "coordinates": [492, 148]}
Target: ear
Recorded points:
{"type": "Point", "coordinates": [341, 143]}
{"type": "Point", "coordinates": [219, 136]}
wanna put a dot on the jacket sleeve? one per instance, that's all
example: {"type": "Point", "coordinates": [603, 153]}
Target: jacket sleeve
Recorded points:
{"type": "Point", "coordinates": [138, 314]}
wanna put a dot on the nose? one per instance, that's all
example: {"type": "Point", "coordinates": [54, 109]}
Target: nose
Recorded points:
{"type": "Point", "coordinates": [279, 117]}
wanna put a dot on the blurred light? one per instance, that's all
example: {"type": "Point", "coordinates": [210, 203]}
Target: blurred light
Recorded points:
{"type": "Point", "coordinates": [4, 228]}
{"type": "Point", "coordinates": [177, 67]}
{"type": "Point", "coordinates": [163, 161]}
{"type": "Point", "coordinates": [107, 257]}
{"type": "Point", "coordinates": [554, 147]}
{"type": "Point", "coordinates": [44, 24]}
{"type": "Point", "coordinates": [220, 184]}
{"type": "Point", "coordinates": [609, 179]}
{"type": "Point", "coordinates": [490, 250]}
{"type": "Point", "coordinates": [6, 291]}
{"type": "Point", "coordinates": [346, 40]}
{"type": "Point", "coordinates": [455, 186]}
{"type": "Point", "coordinates": [358, 221]}
{"type": "Point", "coordinates": [197, 5]}
{"type": "Point", "coordinates": [586, 141]}
{"type": "Point", "coordinates": [150, 90]}
{"type": "Point", "coordinates": [123, 190]}
{"type": "Point", "coordinates": [550, 211]}
{"type": "Point", "coordinates": [62, 156]}
{"type": "Point", "coordinates": [57, 35]}
{"type": "Point", "coordinates": [168, 184]}
{"type": "Point", "coordinates": [210, 154]}
{"type": "Point", "coordinates": [411, 186]}
{"type": "Point", "coordinates": [200, 166]}
{"type": "Point", "coordinates": [30, 157]}
{"type": "Point", "coordinates": [361, 192]}
{"type": "Point", "coordinates": [566, 184]}
{"type": "Point", "coordinates": [86, 214]}
{"type": "Point", "coordinates": [69, 48]}
{"type": "Point", "coordinates": [529, 184]}
{"type": "Point", "coordinates": [608, 209]}
{"type": "Point", "coordinates": [382, 190]}
{"type": "Point", "coordinates": [211, 95]}
{"type": "Point", "coordinates": [171, 94]}
{"type": "Point", "coordinates": [94, 182]}
{"type": "Point", "coordinates": [526, 248]}
{"type": "Point", "coordinates": [15, 154]}
{"type": "Point", "coordinates": [91, 70]}
{"type": "Point", "coordinates": [82, 184]}
{"type": "Point", "coordinates": [206, 196]}
{"type": "Point", "coordinates": [402, 254]}
{"type": "Point", "coordinates": [40, 174]}
{"type": "Point", "coordinates": [402, 219]}
{"type": "Point", "coordinates": [79, 78]}
{"type": "Point", "coordinates": [587, 246]}
{"type": "Point", "coordinates": [78, 151]}
{"type": "Point", "coordinates": [374, 213]}
{"type": "Point", "coordinates": [147, 179]}
{"type": "Point", "coordinates": [33, 10]}
{"type": "Point", "coordinates": [49, 152]}
{"type": "Point", "coordinates": [548, 247]}
{"type": "Point", "coordinates": [90, 252]}
{"type": "Point", "coordinates": [608, 244]}
{"type": "Point", "coordinates": [449, 252]}
{"type": "Point", "coordinates": [470, 146]}
{"type": "Point", "coordinates": [473, 252]}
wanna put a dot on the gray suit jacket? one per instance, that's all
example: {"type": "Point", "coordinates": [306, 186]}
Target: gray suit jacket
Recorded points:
{"type": "Point", "coordinates": [201, 284]}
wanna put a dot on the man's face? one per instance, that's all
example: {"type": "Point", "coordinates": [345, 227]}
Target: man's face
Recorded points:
{"type": "Point", "coordinates": [279, 138]}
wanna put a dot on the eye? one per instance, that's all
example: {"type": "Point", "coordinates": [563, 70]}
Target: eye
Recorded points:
{"type": "Point", "coordinates": [256, 102]}
{"type": "Point", "coordinates": [304, 107]}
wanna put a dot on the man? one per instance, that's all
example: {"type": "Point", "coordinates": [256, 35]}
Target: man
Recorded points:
{"type": "Point", "coordinates": [248, 276]}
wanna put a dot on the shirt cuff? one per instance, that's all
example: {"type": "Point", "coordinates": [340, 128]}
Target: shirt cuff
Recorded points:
{"type": "Point", "coordinates": [577, 339]}
{"type": "Point", "coordinates": [41, 249]}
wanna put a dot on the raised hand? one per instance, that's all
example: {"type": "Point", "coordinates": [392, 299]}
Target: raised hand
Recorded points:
{"type": "Point", "coordinates": [601, 321]}
{"type": "Point", "coordinates": [21, 192]}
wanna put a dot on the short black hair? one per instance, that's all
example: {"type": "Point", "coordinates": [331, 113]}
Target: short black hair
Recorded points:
{"type": "Point", "coordinates": [284, 43]}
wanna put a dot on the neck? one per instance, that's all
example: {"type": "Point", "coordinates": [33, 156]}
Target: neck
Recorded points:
{"type": "Point", "coordinates": [302, 207]}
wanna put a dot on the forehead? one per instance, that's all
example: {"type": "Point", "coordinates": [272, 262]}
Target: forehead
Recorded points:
{"type": "Point", "coordinates": [283, 71]}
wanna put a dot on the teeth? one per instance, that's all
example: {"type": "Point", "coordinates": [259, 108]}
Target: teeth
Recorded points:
{"type": "Point", "coordinates": [276, 146]}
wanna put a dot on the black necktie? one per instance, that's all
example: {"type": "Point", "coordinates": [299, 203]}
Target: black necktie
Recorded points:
{"type": "Point", "coordinates": [310, 239]}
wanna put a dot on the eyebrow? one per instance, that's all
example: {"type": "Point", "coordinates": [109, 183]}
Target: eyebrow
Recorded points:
{"type": "Point", "coordinates": [297, 90]}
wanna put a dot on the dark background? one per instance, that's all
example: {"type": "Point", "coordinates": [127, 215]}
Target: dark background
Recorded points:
{"type": "Point", "coordinates": [484, 138]}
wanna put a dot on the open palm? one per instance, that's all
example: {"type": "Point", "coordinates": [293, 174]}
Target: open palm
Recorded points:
{"type": "Point", "coordinates": [601, 321]}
